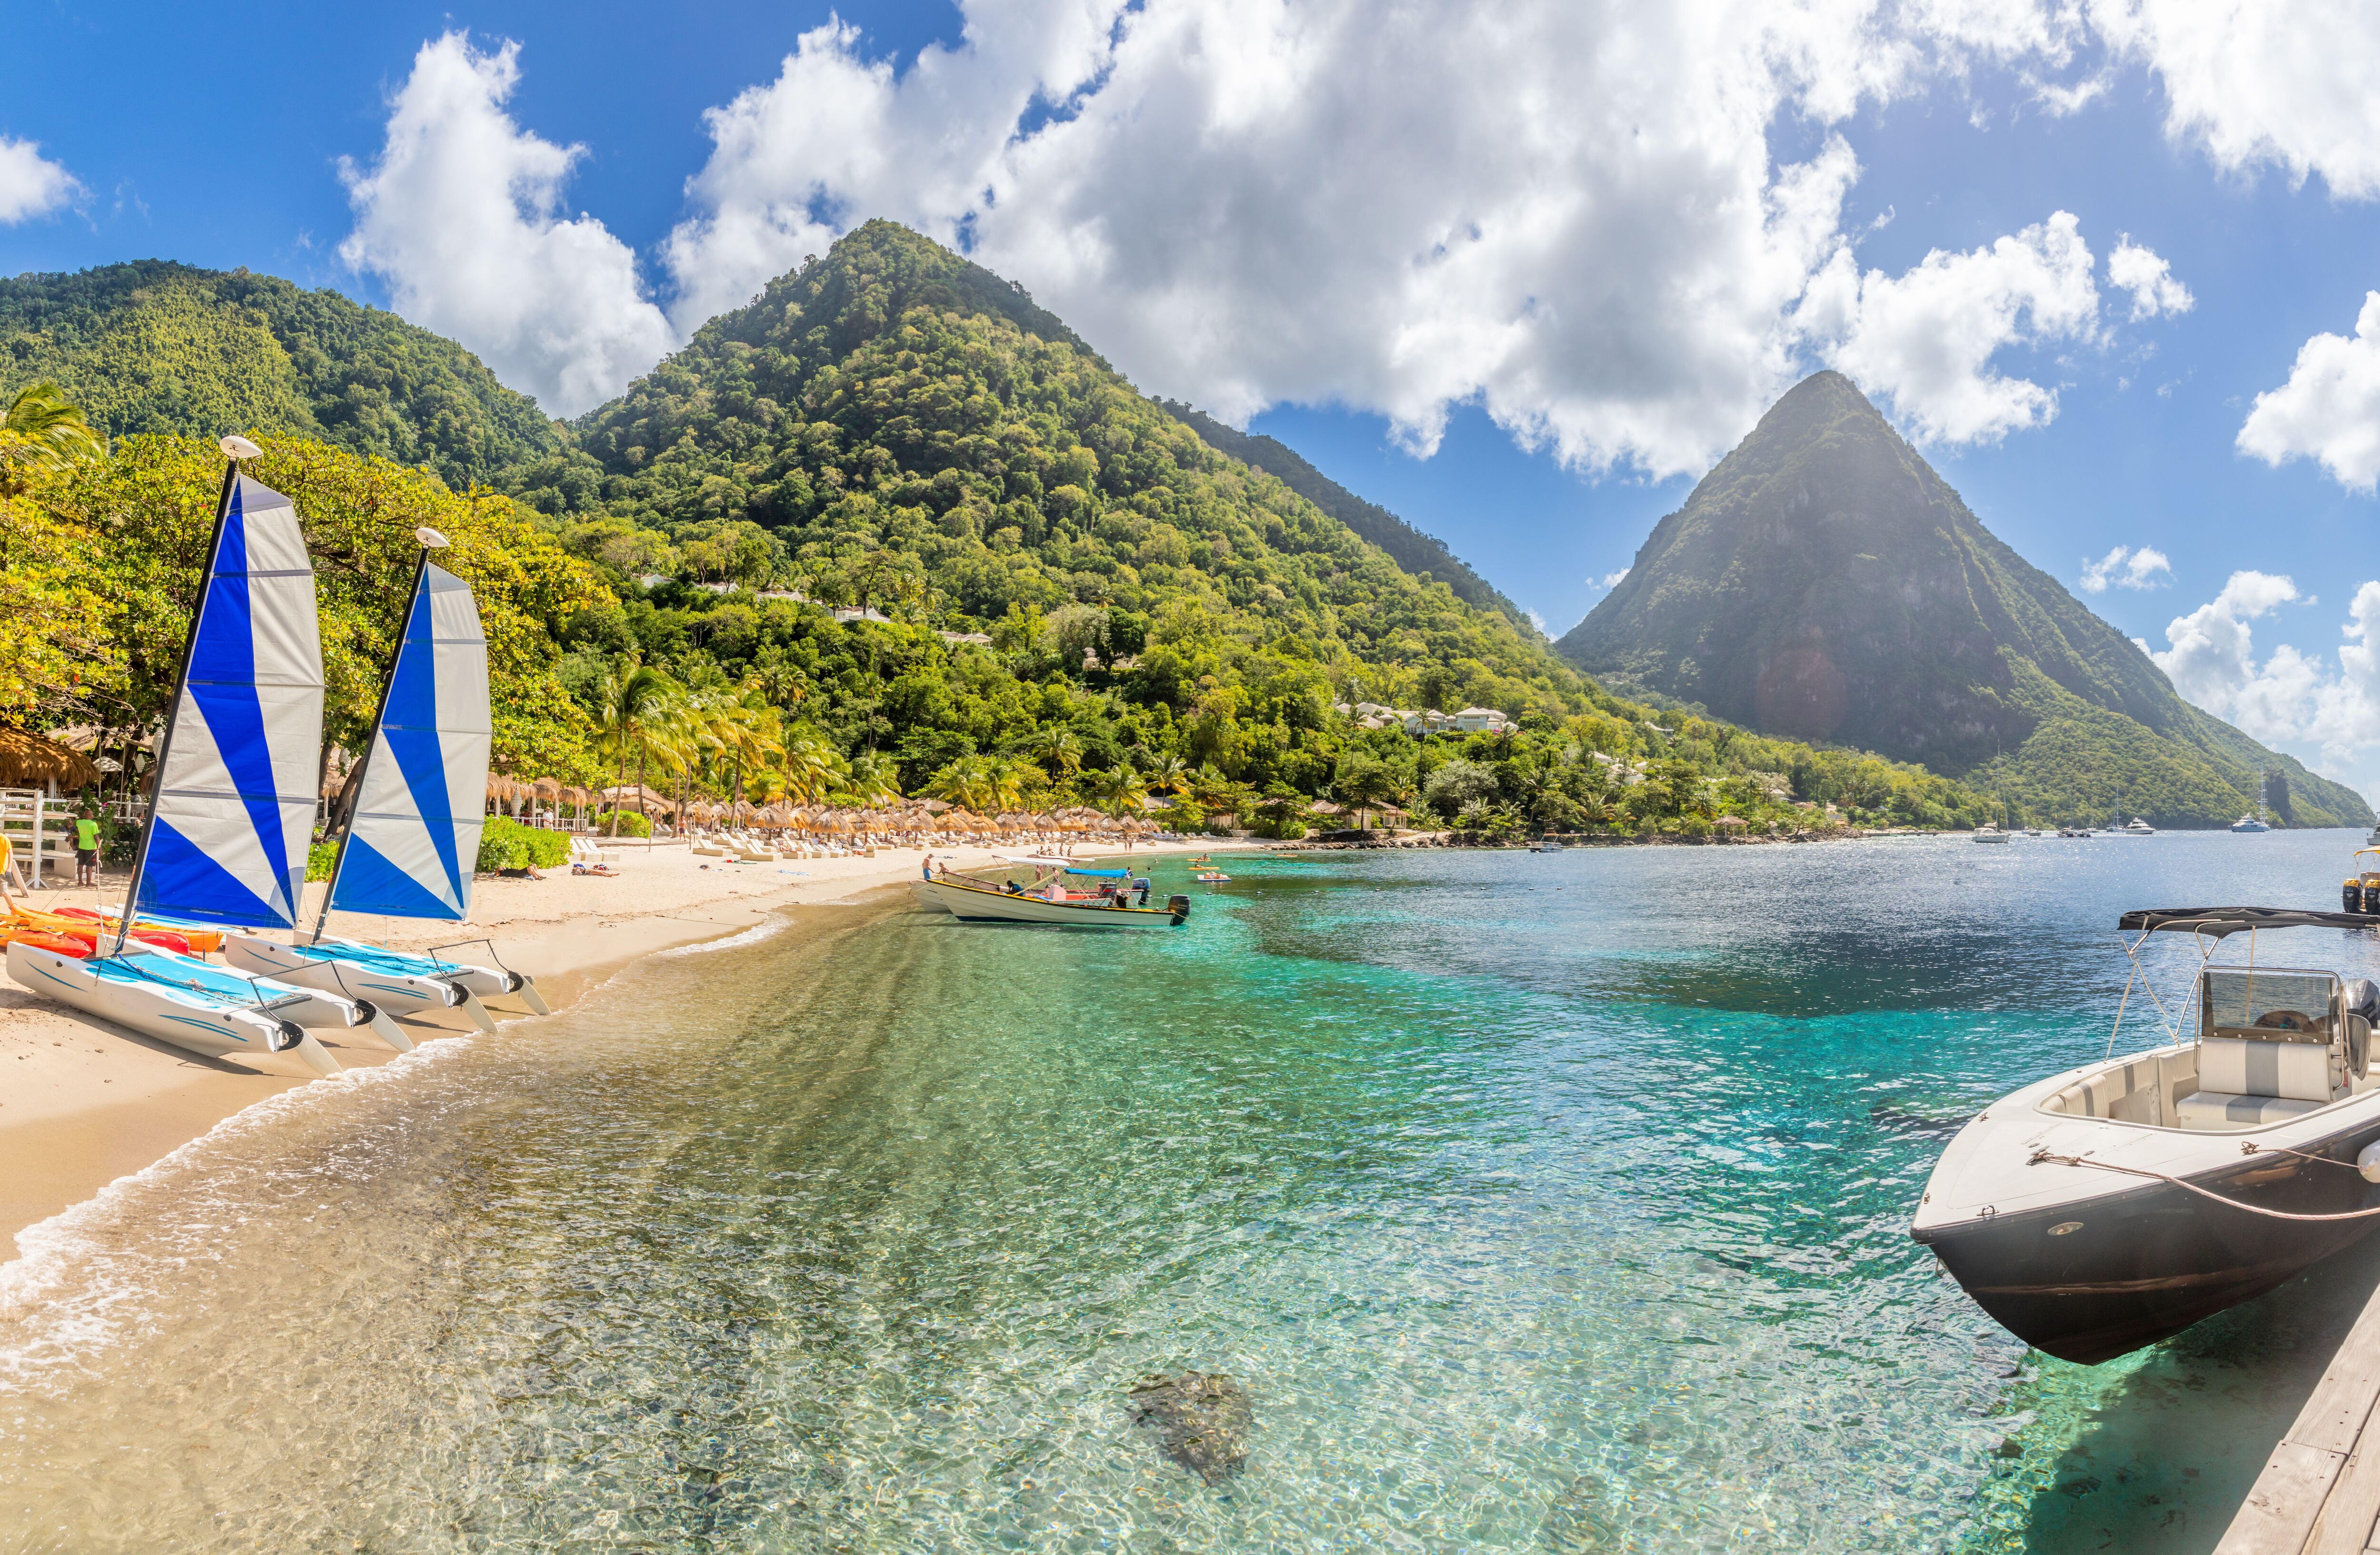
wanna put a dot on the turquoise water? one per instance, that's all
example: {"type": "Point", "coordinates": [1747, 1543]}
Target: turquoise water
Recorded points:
{"type": "Point", "coordinates": [1538, 1202]}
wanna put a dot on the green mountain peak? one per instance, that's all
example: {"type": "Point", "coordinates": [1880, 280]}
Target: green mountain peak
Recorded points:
{"type": "Point", "coordinates": [1824, 582]}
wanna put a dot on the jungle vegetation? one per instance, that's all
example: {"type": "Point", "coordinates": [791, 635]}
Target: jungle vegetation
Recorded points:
{"type": "Point", "coordinates": [1050, 590]}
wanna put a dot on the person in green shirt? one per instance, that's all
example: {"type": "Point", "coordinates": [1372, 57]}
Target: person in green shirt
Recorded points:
{"type": "Point", "coordinates": [86, 829]}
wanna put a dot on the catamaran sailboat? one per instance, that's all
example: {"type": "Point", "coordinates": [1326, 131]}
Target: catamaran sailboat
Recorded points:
{"type": "Point", "coordinates": [414, 842]}
{"type": "Point", "coordinates": [2108, 1207]}
{"type": "Point", "coordinates": [1047, 899]}
{"type": "Point", "coordinates": [225, 840]}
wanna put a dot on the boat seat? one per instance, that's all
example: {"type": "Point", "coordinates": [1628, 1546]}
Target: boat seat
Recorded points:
{"type": "Point", "coordinates": [2294, 1071]}
{"type": "Point", "coordinates": [2244, 1084]}
{"type": "Point", "coordinates": [2215, 1109]}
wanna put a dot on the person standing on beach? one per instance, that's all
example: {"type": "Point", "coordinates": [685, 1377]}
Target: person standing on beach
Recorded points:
{"type": "Point", "coordinates": [86, 829]}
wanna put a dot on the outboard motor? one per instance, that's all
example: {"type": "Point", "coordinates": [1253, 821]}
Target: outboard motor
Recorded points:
{"type": "Point", "coordinates": [2361, 996]}
{"type": "Point", "coordinates": [2350, 896]}
{"type": "Point", "coordinates": [1179, 906]}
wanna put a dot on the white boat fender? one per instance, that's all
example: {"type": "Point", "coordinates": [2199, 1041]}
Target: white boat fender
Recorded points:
{"type": "Point", "coordinates": [2367, 1161]}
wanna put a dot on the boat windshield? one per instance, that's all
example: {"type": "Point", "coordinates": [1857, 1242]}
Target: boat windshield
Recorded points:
{"type": "Point", "coordinates": [2260, 1004]}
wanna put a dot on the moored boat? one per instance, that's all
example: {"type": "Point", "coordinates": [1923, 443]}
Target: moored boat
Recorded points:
{"type": "Point", "coordinates": [1987, 833]}
{"type": "Point", "coordinates": [1046, 900]}
{"type": "Point", "coordinates": [2108, 1207]}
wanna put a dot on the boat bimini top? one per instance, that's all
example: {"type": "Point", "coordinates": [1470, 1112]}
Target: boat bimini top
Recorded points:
{"type": "Point", "coordinates": [2213, 923]}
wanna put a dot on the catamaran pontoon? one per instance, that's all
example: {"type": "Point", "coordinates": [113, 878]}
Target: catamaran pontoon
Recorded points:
{"type": "Point", "coordinates": [2111, 1206]}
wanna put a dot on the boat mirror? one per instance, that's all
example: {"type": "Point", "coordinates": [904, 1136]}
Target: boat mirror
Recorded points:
{"type": "Point", "coordinates": [430, 539]}
{"type": "Point", "coordinates": [238, 447]}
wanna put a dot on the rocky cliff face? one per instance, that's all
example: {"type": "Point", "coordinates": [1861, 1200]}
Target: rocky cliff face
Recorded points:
{"type": "Point", "coordinates": [1825, 582]}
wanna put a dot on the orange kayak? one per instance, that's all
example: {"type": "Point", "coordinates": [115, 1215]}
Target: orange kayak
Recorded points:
{"type": "Point", "coordinates": [200, 940]}
{"type": "Point", "coordinates": [54, 930]}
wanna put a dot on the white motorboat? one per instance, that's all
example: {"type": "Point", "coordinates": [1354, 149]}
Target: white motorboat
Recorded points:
{"type": "Point", "coordinates": [1047, 899]}
{"type": "Point", "coordinates": [225, 840]}
{"type": "Point", "coordinates": [2108, 1207]}
{"type": "Point", "coordinates": [2135, 828]}
{"type": "Point", "coordinates": [2249, 823]}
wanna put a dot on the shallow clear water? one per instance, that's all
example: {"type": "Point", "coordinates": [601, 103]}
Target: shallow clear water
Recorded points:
{"type": "Point", "coordinates": [1538, 1202]}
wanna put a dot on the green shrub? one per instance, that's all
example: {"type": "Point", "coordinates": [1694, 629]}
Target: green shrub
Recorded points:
{"type": "Point", "coordinates": [505, 843]}
{"type": "Point", "coordinates": [631, 824]}
{"type": "Point", "coordinates": [320, 860]}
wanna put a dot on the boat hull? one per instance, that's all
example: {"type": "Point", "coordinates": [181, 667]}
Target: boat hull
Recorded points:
{"type": "Point", "coordinates": [2144, 1265]}
{"type": "Point", "coordinates": [405, 994]}
{"type": "Point", "coordinates": [188, 1020]}
{"type": "Point", "coordinates": [977, 905]}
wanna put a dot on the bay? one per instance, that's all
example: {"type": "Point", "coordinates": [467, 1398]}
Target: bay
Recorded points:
{"type": "Point", "coordinates": [1536, 1202]}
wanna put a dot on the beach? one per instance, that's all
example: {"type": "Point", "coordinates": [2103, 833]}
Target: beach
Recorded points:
{"type": "Point", "coordinates": [83, 1102]}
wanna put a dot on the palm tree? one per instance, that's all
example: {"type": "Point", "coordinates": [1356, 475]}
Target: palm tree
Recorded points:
{"type": "Point", "coordinates": [1169, 775]}
{"type": "Point", "coordinates": [875, 780]}
{"type": "Point", "coordinates": [1060, 749]}
{"type": "Point", "coordinates": [1119, 790]}
{"type": "Point", "coordinates": [41, 430]}
{"type": "Point", "coordinates": [638, 720]}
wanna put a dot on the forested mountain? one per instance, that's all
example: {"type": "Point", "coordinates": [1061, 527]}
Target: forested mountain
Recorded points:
{"type": "Point", "coordinates": [155, 347]}
{"type": "Point", "coordinates": [1413, 550]}
{"type": "Point", "coordinates": [1824, 583]}
{"type": "Point", "coordinates": [1068, 593]}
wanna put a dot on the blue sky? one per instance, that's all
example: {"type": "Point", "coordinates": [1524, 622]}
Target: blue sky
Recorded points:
{"type": "Point", "coordinates": [1214, 192]}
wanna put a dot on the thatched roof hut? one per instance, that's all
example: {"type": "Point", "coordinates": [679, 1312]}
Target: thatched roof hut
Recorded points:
{"type": "Point", "coordinates": [27, 760]}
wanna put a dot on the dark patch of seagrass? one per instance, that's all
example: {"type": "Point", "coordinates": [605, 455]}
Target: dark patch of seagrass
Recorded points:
{"type": "Point", "coordinates": [1202, 1420]}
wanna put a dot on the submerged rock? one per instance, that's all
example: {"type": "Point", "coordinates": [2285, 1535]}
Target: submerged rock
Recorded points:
{"type": "Point", "coordinates": [1202, 1420]}
{"type": "Point", "coordinates": [1583, 1521]}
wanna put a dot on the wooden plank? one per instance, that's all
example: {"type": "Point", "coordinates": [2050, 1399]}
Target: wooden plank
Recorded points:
{"type": "Point", "coordinates": [2345, 1526]}
{"type": "Point", "coordinates": [2335, 1411]}
{"type": "Point", "coordinates": [2279, 1513]}
{"type": "Point", "coordinates": [2291, 1511]}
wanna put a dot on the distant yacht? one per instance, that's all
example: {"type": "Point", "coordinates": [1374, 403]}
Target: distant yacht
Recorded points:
{"type": "Point", "coordinates": [2139, 828]}
{"type": "Point", "coordinates": [2249, 823]}
{"type": "Point", "coordinates": [1987, 833]}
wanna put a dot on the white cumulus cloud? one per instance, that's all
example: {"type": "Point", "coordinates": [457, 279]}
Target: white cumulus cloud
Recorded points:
{"type": "Point", "coordinates": [1566, 213]}
{"type": "Point", "coordinates": [2329, 409]}
{"type": "Point", "coordinates": [1926, 339]}
{"type": "Point", "coordinates": [31, 184]}
{"type": "Point", "coordinates": [2150, 280]}
{"type": "Point", "coordinates": [2126, 568]}
{"type": "Point", "coordinates": [2279, 83]}
{"type": "Point", "coordinates": [462, 214]}
{"type": "Point", "coordinates": [2288, 694]}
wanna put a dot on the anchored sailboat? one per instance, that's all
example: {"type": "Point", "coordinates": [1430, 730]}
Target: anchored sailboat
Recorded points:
{"type": "Point", "coordinates": [225, 840]}
{"type": "Point", "coordinates": [413, 841]}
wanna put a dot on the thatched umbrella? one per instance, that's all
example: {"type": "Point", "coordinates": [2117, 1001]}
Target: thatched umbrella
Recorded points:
{"type": "Point", "coordinates": [28, 760]}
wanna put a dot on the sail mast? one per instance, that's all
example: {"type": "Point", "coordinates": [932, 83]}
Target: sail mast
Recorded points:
{"type": "Point", "coordinates": [431, 539]}
{"type": "Point", "coordinates": [234, 449]}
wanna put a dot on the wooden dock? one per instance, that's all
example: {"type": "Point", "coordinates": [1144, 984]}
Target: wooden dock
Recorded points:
{"type": "Point", "coordinates": [2320, 1492]}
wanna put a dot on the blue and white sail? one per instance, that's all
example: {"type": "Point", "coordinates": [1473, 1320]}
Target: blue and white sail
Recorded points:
{"type": "Point", "coordinates": [415, 839]}
{"type": "Point", "coordinates": [238, 788]}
